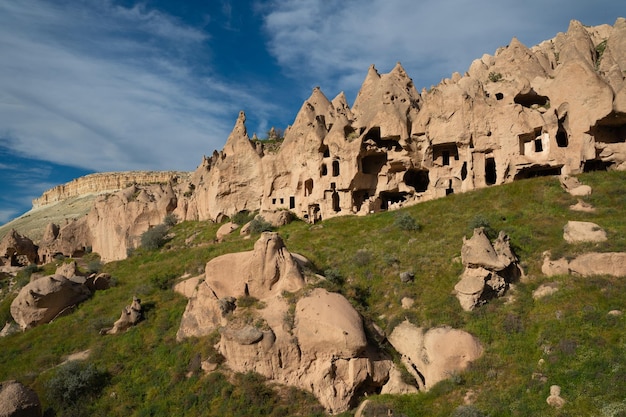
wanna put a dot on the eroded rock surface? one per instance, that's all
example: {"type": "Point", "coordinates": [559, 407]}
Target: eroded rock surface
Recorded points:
{"type": "Point", "coordinates": [17, 400]}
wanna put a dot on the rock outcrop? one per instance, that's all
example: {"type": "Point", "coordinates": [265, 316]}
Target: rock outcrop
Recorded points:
{"type": "Point", "coordinates": [17, 250]}
{"type": "Point", "coordinates": [586, 265]}
{"type": "Point", "coordinates": [42, 300]}
{"type": "Point", "coordinates": [576, 232]}
{"type": "Point", "coordinates": [107, 182]}
{"type": "Point", "coordinates": [489, 269]}
{"type": "Point", "coordinates": [17, 400]}
{"type": "Point", "coordinates": [511, 116]}
{"type": "Point", "coordinates": [131, 315]}
{"type": "Point", "coordinates": [434, 355]}
{"type": "Point", "coordinates": [316, 343]}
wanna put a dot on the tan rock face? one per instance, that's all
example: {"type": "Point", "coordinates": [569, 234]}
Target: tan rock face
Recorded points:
{"type": "Point", "coordinates": [44, 299]}
{"type": "Point", "coordinates": [317, 344]}
{"type": "Point", "coordinates": [18, 400]}
{"type": "Point", "coordinates": [588, 264]}
{"type": "Point", "coordinates": [513, 115]}
{"type": "Point", "coordinates": [18, 250]}
{"type": "Point", "coordinates": [433, 355]}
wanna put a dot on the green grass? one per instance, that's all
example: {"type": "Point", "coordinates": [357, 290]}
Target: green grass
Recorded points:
{"type": "Point", "coordinates": [581, 348]}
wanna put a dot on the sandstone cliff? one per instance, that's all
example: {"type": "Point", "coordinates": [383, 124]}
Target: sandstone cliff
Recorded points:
{"type": "Point", "coordinates": [100, 183]}
{"type": "Point", "coordinates": [557, 108]}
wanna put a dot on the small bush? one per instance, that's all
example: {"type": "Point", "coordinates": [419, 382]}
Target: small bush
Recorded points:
{"type": "Point", "coordinates": [333, 276]}
{"type": "Point", "coordinates": [404, 221]}
{"type": "Point", "coordinates": [481, 221]}
{"type": "Point", "coordinates": [494, 77]}
{"type": "Point", "coordinates": [243, 217]}
{"type": "Point", "coordinates": [170, 220]}
{"type": "Point", "coordinates": [163, 281]}
{"type": "Point", "coordinates": [154, 238]}
{"type": "Point", "coordinates": [362, 257]}
{"type": "Point", "coordinates": [93, 267]}
{"type": "Point", "coordinates": [73, 382]}
{"type": "Point", "coordinates": [467, 411]}
{"type": "Point", "coordinates": [259, 225]}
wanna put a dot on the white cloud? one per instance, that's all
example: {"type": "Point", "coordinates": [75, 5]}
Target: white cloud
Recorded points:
{"type": "Point", "coordinates": [100, 86]}
{"type": "Point", "coordinates": [335, 42]}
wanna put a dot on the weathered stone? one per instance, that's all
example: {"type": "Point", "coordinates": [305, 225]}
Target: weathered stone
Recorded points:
{"type": "Point", "coordinates": [225, 230]}
{"type": "Point", "coordinates": [17, 249]}
{"type": "Point", "coordinates": [554, 399]}
{"type": "Point", "coordinates": [407, 276]}
{"type": "Point", "coordinates": [42, 300]}
{"type": "Point", "coordinates": [131, 315]}
{"type": "Point", "coordinates": [17, 400]}
{"type": "Point", "coordinates": [575, 232]}
{"type": "Point", "coordinates": [545, 290]}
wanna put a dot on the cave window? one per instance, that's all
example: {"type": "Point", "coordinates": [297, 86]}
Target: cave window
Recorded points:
{"type": "Point", "coordinates": [538, 145]}
{"type": "Point", "coordinates": [273, 201]}
{"type": "Point", "coordinates": [292, 202]}
{"type": "Point", "coordinates": [499, 96]}
{"type": "Point", "coordinates": [464, 171]}
{"type": "Point", "coordinates": [324, 170]}
{"type": "Point", "coordinates": [326, 152]}
{"type": "Point", "coordinates": [561, 138]}
{"type": "Point", "coordinates": [418, 179]}
{"type": "Point", "coordinates": [282, 201]}
{"type": "Point", "coordinates": [335, 168]}
{"type": "Point", "coordinates": [490, 171]}
{"type": "Point", "coordinates": [445, 155]}
{"type": "Point", "coordinates": [335, 199]}
{"type": "Point", "coordinates": [449, 190]}
{"type": "Point", "coordinates": [308, 187]}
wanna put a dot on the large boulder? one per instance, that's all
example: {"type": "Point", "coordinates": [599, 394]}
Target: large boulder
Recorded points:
{"type": "Point", "coordinates": [436, 354]}
{"type": "Point", "coordinates": [489, 269]}
{"type": "Point", "coordinates": [316, 343]}
{"type": "Point", "coordinates": [44, 299]}
{"type": "Point", "coordinates": [17, 400]}
{"type": "Point", "coordinates": [587, 264]}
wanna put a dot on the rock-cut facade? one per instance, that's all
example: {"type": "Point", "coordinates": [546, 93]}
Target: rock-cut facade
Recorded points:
{"type": "Point", "coordinates": [558, 108]}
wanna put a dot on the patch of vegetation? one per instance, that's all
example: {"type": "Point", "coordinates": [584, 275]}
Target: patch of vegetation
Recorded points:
{"type": "Point", "coordinates": [495, 77]}
{"type": "Point", "coordinates": [73, 385]}
{"type": "Point", "coordinates": [155, 237]}
{"type": "Point", "coordinates": [404, 221]}
{"type": "Point", "coordinates": [259, 225]}
{"type": "Point", "coordinates": [243, 217]}
{"type": "Point", "coordinates": [567, 339]}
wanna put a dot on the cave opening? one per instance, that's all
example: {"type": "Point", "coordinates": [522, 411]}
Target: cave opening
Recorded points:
{"type": "Point", "coordinates": [372, 164]}
{"type": "Point", "coordinates": [418, 179]}
{"type": "Point", "coordinates": [389, 198]}
{"type": "Point", "coordinates": [490, 171]}
{"type": "Point", "coordinates": [538, 171]}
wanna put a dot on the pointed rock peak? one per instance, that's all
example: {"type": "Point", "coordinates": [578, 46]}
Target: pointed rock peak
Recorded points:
{"type": "Point", "coordinates": [238, 135]}
{"type": "Point", "coordinates": [372, 73]}
{"type": "Point", "coordinates": [318, 99]}
{"type": "Point", "coordinates": [399, 70]}
{"type": "Point", "coordinates": [574, 25]}
{"type": "Point", "coordinates": [340, 101]}
{"type": "Point", "coordinates": [515, 43]}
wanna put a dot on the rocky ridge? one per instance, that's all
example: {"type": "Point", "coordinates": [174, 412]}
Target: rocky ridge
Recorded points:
{"type": "Point", "coordinates": [511, 116]}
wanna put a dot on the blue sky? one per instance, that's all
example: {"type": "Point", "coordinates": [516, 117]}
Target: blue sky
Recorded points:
{"type": "Point", "coordinates": [112, 85]}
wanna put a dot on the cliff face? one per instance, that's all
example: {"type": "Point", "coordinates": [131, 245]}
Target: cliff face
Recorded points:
{"type": "Point", "coordinates": [100, 183]}
{"type": "Point", "coordinates": [556, 108]}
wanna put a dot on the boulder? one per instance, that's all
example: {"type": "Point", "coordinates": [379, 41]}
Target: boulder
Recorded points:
{"type": "Point", "coordinates": [545, 290]}
{"type": "Point", "coordinates": [433, 355]}
{"type": "Point", "coordinates": [42, 300]}
{"type": "Point", "coordinates": [587, 264]}
{"type": "Point", "coordinates": [131, 315]}
{"type": "Point", "coordinates": [554, 399]}
{"type": "Point", "coordinates": [17, 400]}
{"type": "Point", "coordinates": [489, 269]}
{"type": "Point", "coordinates": [573, 186]}
{"type": "Point", "coordinates": [225, 230]}
{"type": "Point", "coordinates": [576, 232]}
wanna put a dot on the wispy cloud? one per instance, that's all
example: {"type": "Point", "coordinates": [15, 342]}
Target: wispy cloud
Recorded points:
{"type": "Point", "coordinates": [101, 86]}
{"type": "Point", "coordinates": [335, 42]}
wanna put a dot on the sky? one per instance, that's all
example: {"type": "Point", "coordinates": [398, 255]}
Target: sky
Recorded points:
{"type": "Point", "coordinates": [116, 85]}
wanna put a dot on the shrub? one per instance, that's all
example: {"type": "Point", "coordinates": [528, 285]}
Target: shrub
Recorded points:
{"type": "Point", "coordinates": [93, 267]}
{"type": "Point", "coordinates": [163, 280]}
{"type": "Point", "coordinates": [170, 220]}
{"type": "Point", "coordinates": [481, 221]}
{"type": "Point", "coordinates": [260, 225]}
{"type": "Point", "coordinates": [467, 411]}
{"type": "Point", "coordinates": [73, 382]}
{"type": "Point", "coordinates": [333, 276]}
{"type": "Point", "coordinates": [494, 77]}
{"type": "Point", "coordinates": [404, 221]}
{"type": "Point", "coordinates": [362, 257]}
{"type": "Point", "coordinates": [154, 238]}
{"type": "Point", "coordinates": [243, 217]}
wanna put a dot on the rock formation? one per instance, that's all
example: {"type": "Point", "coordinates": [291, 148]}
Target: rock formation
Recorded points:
{"type": "Point", "coordinates": [131, 315]}
{"type": "Point", "coordinates": [107, 182]}
{"type": "Point", "coordinates": [511, 116]}
{"type": "Point", "coordinates": [586, 265]}
{"type": "Point", "coordinates": [17, 400]}
{"type": "Point", "coordinates": [17, 250]}
{"type": "Point", "coordinates": [42, 300]}
{"type": "Point", "coordinates": [316, 343]}
{"type": "Point", "coordinates": [434, 355]}
{"type": "Point", "coordinates": [489, 269]}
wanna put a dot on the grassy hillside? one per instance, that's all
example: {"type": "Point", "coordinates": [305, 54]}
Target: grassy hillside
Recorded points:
{"type": "Point", "coordinates": [567, 339]}
{"type": "Point", "coordinates": [34, 222]}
